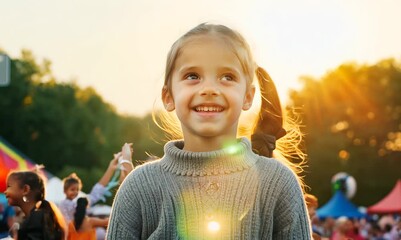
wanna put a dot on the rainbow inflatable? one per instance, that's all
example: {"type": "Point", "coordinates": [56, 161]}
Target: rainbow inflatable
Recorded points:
{"type": "Point", "coordinates": [10, 160]}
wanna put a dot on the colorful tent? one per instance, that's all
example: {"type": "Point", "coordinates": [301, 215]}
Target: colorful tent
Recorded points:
{"type": "Point", "coordinates": [11, 159]}
{"type": "Point", "coordinates": [339, 206]}
{"type": "Point", "coordinates": [391, 203]}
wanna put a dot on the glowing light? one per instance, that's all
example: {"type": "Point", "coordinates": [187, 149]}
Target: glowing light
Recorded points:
{"type": "Point", "coordinates": [232, 147]}
{"type": "Point", "coordinates": [343, 155]}
{"type": "Point", "coordinates": [340, 126]}
{"type": "Point", "coordinates": [394, 141]}
{"type": "Point", "coordinates": [213, 226]}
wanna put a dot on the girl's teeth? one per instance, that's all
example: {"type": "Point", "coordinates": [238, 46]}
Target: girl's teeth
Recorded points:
{"type": "Point", "coordinates": [208, 109]}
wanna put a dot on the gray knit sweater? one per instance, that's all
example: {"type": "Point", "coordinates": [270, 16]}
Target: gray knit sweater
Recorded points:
{"type": "Point", "coordinates": [226, 194]}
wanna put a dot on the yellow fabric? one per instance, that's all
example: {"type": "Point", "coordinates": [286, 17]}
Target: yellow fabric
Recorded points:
{"type": "Point", "coordinates": [74, 235]}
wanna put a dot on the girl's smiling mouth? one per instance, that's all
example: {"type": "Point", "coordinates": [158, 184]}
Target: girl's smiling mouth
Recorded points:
{"type": "Point", "coordinates": [203, 108]}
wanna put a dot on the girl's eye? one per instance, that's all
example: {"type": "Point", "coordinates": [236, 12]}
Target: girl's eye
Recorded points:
{"type": "Point", "coordinates": [191, 76]}
{"type": "Point", "coordinates": [228, 78]}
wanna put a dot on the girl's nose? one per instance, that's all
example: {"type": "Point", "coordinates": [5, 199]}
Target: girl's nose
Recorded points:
{"type": "Point", "coordinates": [209, 87]}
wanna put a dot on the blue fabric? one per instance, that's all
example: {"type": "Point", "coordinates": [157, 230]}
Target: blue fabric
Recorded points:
{"type": "Point", "coordinates": [3, 199]}
{"type": "Point", "coordinates": [6, 212]}
{"type": "Point", "coordinates": [339, 206]}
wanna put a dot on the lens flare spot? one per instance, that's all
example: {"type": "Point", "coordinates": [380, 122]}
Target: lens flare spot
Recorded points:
{"type": "Point", "coordinates": [213, 226]}
{"type": "Point", "coordinates": [232, 147]}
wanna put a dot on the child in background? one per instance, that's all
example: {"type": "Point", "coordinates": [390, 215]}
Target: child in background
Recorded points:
{"type": "Point", "coordinates": [73, 184]}
{"type": "Point", "coordinates": [25, 189]}
{"type": "Point", "coordinates": [83, 227]}
{"type": "Point", "coordinates": [212, 184]}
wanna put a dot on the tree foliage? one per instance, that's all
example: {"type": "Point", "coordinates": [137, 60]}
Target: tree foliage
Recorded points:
{"type": "Point", "coordinates": [352, 121]}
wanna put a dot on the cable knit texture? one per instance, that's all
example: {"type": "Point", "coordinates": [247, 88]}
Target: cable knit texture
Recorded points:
{"type": "Point", "coordinates": [226, 194]}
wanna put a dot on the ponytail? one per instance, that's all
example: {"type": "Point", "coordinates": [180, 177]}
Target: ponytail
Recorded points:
{"type": "Point", "coordinates": [270, 127]}
{"type": "Point", "coordinates": [80, 212]}
{"type": "Point", "coordinates": [53, 222]}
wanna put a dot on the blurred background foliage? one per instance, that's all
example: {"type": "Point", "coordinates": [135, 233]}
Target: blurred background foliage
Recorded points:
{"type": "Point", "coordinates": [352, 120]}
{"type": "Point", "coordinates": [350, 117]}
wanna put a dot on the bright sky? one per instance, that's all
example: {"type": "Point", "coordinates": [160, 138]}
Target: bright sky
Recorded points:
{"type": "Point", "coordinates": [119, 47]}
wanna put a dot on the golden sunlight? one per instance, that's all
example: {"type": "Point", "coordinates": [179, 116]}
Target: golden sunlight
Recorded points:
{"type": "Point", "coordinates": [213, 226]}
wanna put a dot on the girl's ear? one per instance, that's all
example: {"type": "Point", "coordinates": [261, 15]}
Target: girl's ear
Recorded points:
{"type": "Point", "coordinates": [248, 99]}
{"type": "Point", "coordinates": [25, 189]}
{"type": "Point", "coordinates": [168, 100]}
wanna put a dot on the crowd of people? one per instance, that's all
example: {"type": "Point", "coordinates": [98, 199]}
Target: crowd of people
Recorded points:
{"type": "Point", "coordinates": [371, 227]}
{"type": "Point", "coordinates": [210, 183]}
{"type": "Point", "coordinates": [28, 215]}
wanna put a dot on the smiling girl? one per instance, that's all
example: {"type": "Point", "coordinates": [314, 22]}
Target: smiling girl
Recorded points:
{"type": "Point", "coordinates": [213, 184]}
{"type": "Point", "coordinates": [26, 189]}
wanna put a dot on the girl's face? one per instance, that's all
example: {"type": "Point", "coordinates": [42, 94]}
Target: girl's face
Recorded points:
{"type": "Point", "coordinates": [14, 192]}
{"type": "Point", "coordinates": [208, 90]}
{"type": "Point", "coordinates": [72, 191]}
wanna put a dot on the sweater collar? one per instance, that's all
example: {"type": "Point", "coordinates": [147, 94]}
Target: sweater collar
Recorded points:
{"type": "Point", "coordinates": [224, 161]}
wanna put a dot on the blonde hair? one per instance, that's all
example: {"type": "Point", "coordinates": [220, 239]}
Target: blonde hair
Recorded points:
{"type": "Point", "coordinates": [270, 123]}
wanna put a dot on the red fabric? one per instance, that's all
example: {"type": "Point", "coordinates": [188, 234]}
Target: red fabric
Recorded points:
{"type": "Point", "coordinates": [390, 203]}
{"type": "Point", "coordinates": [11, 160]}
{"type": "Point", "coordinates": [4, 170]}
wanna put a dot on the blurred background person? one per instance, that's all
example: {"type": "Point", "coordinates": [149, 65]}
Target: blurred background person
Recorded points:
{"type": "Point", "coordinates": [26, 189]}
{"type": "Point", "coordinates": [83, 227]}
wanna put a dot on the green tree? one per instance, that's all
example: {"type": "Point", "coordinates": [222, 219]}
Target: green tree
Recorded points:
{"type": "Point", "coordinates": [352, 124]}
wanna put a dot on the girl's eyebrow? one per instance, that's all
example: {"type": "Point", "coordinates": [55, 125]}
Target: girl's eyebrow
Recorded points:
{"type": "Point", "coordinates": [230, 69]}
{"type": "Point", "coordinates": [186, 68]}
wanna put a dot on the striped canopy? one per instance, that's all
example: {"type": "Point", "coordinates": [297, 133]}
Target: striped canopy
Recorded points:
{"type": "Point", "coordinates": [10, 160]}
